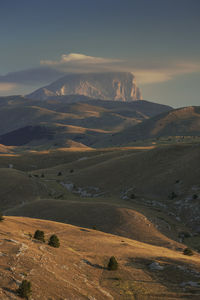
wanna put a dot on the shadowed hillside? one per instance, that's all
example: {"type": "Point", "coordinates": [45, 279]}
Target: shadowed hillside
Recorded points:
{"type": "Point", "coordinates": [179, 122]}
{"type": "Point", "coordinates": [17, 188]}
{"type": "Point", "coordinates": [161, 183]}
{"type": "Point", "coordinates": [77, 118]}
{"type": "Point", "coordinates": [109, 218]}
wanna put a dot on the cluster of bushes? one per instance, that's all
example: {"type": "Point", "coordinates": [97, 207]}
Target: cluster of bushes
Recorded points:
{"type": "Point", "coordinates": [60, 173]}
{"type": "Point", "coordinates": [53, 240]}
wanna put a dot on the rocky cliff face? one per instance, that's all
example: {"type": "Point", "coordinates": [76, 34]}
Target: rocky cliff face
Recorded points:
{"type": "Point", "coordinates": [119, 86]}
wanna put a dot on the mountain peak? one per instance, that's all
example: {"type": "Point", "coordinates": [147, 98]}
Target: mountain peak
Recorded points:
{"type": "Point", "coordinates": [119, 86]}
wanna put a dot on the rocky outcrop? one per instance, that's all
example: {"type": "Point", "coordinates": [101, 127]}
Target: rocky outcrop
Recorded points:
{"type": "Point", "coordinates": [119, 86]}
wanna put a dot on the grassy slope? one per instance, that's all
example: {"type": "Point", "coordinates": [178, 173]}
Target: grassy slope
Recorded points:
{"type": "Point", "coordinates": [76, 270]}
{"type": "Point", "coordinates": [73, 117]}
{"type": "Point", "coordinates": [17, 188]}
{"type": "Point", "coordinates": [110, 218]}
{"type": "Point", "coordinates": [177, 122]}
{"type": "Point", "coordinates": [151, 173]}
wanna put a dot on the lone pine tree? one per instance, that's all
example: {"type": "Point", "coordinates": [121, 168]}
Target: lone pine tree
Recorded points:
{"type": "Point", "coordinates": [24, 290]}
{"type": "Point", "coordinates": [54, 241]}
{"type": "Point", "coordinates": [39, 235]}
{"type": "Point", "coordinates": [112, 264]}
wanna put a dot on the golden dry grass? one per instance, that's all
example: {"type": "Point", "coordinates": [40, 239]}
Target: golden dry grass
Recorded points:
{"type": "Point", "coordinates": [77, 270]}
{"type": "Point", "coordinates": [106, 217]}
{"type": "Point", "coordinates": [6, 149]}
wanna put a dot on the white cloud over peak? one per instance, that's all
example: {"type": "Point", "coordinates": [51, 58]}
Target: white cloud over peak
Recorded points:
{"type": "Point", "coordinates": [73, 62]}
{"type": "Point", "coordinates": [145, 71]}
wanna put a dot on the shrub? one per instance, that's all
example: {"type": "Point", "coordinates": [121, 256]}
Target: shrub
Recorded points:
{"type": "Point", "coordinates": [59, 174]}
{"type": "Point", "coordinates": [132, 196]}
{"type": "Point", "coordinates": [54, 241]}
{"type": "Point", "coordinates": [24, 290]}
{"type": "Point", "coordinates": [195, 196]}
{"type": "Point", "coordinates": [188, 251]}
{"type": "Point", "coordinates": [71, 171]}
{"type": "Point", "coordinates": [172, 195]}
{"type": "Point", "coordinates": [113, 264]}
{"type": "Point", "coordinates": [1, 217]}
{"type": "Point", "coordinates": [184, 234]}
{"type": "Point", "coordinates": [39, 235]}
{"type": "Point", "coordinates": [42, 175]}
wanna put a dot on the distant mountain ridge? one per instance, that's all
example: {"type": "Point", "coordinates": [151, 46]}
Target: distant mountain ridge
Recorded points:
{"type": "Point", "coordinates": [118, 86]}
{"type": "Point", "coordinates": [77, 118]}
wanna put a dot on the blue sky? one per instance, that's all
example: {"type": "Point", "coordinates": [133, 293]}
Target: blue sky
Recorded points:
{"type": "Point", "coordinates": [157, 40]}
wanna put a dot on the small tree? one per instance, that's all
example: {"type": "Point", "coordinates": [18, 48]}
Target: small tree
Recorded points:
{"type": "Point", "coordinates": [132, 196]}
{"type": "Point", "coordinates": [1, 217]}
{"type": "Point", "coordinates": [39, 235]}
{"type": "Point", "coordinates": [188, 251]}
{"type": "Point", "coordinates": [54, 241]}
{"type": "Point", "coordinates": [172, 195]}
{"type": "Point", "coordinates": [113, 264]}
{"type": "Point", "coordinates": [24, 290]}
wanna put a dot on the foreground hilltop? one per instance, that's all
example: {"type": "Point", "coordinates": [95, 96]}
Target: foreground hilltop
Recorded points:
{"type": "Point", "coordinates": [78, 269]}
{"type": "Point", "coordinates": [106, 86]}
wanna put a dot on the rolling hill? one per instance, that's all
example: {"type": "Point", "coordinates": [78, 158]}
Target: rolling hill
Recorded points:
{"type": "Point", "coordinates": [178, 122]}
{"type": "Point", "coordinates": [103, 216]}
{"type": "Point", "coordinates": [160, 183]}
{"type": "Point", "coordinates": [60, 161]}
{"type": "Point", "coordinates": [125, 194]}
{"type": "Point", "coordinates": [77, 118]}
{"type": "Point", "coordinates": [78, 269]}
